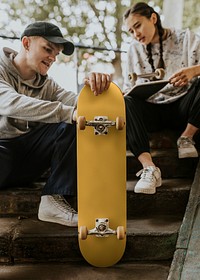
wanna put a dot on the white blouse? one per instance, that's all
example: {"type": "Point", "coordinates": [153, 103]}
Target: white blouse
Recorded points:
{"type": "Point", "coordinates": [180, 49]}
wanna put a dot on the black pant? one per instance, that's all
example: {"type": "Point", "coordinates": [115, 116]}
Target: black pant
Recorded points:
{"type": "Point", "coordinates": [144, 117]}
{"type": "Point", "coordinates": [25, 158]}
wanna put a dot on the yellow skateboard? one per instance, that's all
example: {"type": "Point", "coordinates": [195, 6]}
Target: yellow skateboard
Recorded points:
{"type": "Point", "coordinates": [101, 161]}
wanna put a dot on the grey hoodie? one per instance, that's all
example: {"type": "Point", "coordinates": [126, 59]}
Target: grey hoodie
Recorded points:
{"type": "Point", "coordinates": [26, 103]}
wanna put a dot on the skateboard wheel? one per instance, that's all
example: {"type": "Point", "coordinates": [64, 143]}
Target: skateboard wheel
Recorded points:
{"type": "Point", "coordinates": [120, 232]}
{"type": "Point", "coordinates": [159, 73]}
{"type": "Point", "coordinates": [120, 123]}
{"type": "Point", "coordinates": [81, 122]}
{"type": "Point", "coordinates": [83, 232]}
{"type": "Point", "coordinates": [132, 77]}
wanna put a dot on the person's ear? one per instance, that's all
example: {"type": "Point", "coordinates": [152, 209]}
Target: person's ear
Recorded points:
{"type": "Point", "coordinates": [26, 43]}
{"type": "Point", "coordinates": [154, 18]}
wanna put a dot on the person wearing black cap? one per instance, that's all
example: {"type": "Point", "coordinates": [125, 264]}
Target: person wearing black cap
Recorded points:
{"type": "Point", "coordinates": [51, 33]}
{"type": "Point", "coordinates": [37, 120]}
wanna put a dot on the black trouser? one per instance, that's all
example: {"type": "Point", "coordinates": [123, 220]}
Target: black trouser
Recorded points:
{"type": "Point", "coordinates": [25, 158]}
{"type": "Point", "coordinates": [144, 117]}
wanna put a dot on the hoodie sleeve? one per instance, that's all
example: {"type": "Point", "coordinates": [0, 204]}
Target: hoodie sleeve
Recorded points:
{"type": "Point", "coordinates": [24, 107]}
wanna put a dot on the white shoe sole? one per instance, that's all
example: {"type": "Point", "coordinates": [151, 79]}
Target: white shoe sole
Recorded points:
{"type": "Point", "coordinates": [57, 221]}
{"type": "Point", "coordinates": [148, 190]}
{"type": "Point", "coordinates": [187, 153]}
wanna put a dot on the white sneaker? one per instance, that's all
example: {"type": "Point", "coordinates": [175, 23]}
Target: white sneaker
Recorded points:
{"type": "Point", "coordinates": [186, 148]}
{"type": "Point", "coordinates": [55, 209]}
{"type": "Point", "coordinates": [150, 179]}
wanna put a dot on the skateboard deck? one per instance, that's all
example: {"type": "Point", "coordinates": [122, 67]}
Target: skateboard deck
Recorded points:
{"type": "Point", "coordinates": [147, 89]}
{"type": "Point", "coordinates": [101, 175]}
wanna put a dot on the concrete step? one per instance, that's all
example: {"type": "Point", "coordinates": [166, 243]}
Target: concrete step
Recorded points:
{"type": "Point", "coordinates": [150, 237]}
{"type": "Point", "coordinates": [170, 198]}
{"type": "Point", "coordinates": [80, 270]}
{"type": "Point", "coordinates": [20, 201]}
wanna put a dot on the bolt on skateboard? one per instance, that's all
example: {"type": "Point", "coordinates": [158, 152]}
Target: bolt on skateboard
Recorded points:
{"type": "Point", "coordinates": [101, 174]}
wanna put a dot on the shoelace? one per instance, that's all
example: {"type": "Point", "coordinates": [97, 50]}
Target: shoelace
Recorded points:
{"type": "Point", "coordinates": [61, 202]}
{"type": "Point", "coordinates": [185, 141]}
{"type": "Point", "coordinates": [145, 173]}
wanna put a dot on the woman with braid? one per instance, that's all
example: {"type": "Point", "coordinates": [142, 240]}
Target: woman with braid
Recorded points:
{"type": "Point", "coordinates": [177, 105]}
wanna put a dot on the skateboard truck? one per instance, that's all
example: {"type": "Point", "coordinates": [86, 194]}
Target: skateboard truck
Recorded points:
{"type": "Point", "coordinates": [100, 124]}
{"type": "Point", "coordinates": [102, 229]}
{"type": "Point", "coordinates": [158, 74]}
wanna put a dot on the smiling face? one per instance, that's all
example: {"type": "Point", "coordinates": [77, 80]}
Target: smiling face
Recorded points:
{"type": "Point", "coordinates": [40, 54]}
{"type": "Point", "coordinates": [142, 29]}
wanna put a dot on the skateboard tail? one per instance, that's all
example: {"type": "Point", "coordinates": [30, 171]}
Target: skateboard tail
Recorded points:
{"type": "Point", "coordinates": [102, 251]}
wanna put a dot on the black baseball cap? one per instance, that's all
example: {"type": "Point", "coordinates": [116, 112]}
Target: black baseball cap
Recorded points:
{"type": "Point", "coordinates": [51, 33]}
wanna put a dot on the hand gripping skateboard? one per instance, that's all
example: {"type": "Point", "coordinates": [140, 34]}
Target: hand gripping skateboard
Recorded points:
{"type": "Point", "coordinates": [158, 75]}
{"type": "Point", "coordinates": [101, 174]}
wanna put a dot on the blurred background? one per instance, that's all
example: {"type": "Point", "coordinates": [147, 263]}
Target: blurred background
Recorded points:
{"type": "Point", "coordinates": [95, 27]}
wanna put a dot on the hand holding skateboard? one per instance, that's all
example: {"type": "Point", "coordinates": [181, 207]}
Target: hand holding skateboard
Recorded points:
{"type": "Point", "coordinates": [98, 82]}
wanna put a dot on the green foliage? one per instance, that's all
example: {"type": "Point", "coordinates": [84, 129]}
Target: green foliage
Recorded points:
{"type": "Point", "coordinates": [191, 14]}
{"type": "Point", "coordinates": [93, 23]}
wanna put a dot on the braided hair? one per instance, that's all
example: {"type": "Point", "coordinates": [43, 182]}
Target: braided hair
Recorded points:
{"type": "Point", "coordinates": [145, 10]}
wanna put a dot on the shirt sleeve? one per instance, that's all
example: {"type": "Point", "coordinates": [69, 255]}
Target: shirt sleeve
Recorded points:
{"type": "Point", "coordinates": [27, 108]}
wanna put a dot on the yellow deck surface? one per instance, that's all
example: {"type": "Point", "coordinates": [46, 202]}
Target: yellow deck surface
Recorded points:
{"type": "Point", "coordinates": [101, 175]}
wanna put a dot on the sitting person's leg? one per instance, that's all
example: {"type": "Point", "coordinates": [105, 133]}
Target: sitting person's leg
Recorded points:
{"type": "Point", "coordinates": [139, 116]}
{"type": "Point", "coordinates": [48, 146]}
